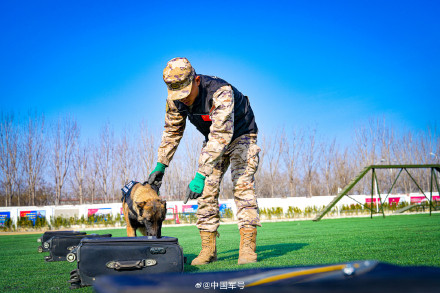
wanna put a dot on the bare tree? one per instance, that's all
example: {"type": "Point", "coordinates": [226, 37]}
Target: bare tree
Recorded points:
{"type": "Point", "coordinates": [368, 141]}
{"type": "Point", "coordinates": [20, 182]}
{"type": "Point", "coordinates": [124, 159]}
{"type": "Point", "coordinates": [8, 155]}
{"type": "Point", "coordinates": [113, 178]}
{"type": "Point", "coordinates": [273, 149]}
{"type": "Point", "coordinates": [34, 153]}
{"type": "Point", "coordinates": [435, 152]}
{"type": "Point", "coordinates": [193, 143]}
{"type": "Point", "coordinates": [147, 149]}
{"type": "Point", "coordinates": [80, 166]}
{"type": "Point", "coordinates": [92, 172]}
{"type": "Point", "coordinates": [386, 141]}
{"type": "Point", "coordinates": [372, 141]}
{"type": "Point", "coordinates": [310, 161]}
{"type": "Point", "coordinates": [292, 148]}
{"type": "Point", "coordinates": [65, 134]}
{"type": "Point", "coordinates": [327, 166]}
{"type": "Point", "coordinates": [345, 168]}
{"type": "Point", "coordinates": [425, 147]}
{"type": "Point", "coordinates": [184, 165]}
{"type": "Point", "coordinates": [105, 160]}
{"type": "Point", "coordinates": [403, 150]}
{"type": "Point", "coordinates": [174, 186]}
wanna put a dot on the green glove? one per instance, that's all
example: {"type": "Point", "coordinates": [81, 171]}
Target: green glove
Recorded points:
{"type": "Point", "coordinates": [195, 187]}
{"type": "Point", "coordinates": [155, 179]}
{"type": "Point", "coordinates": [159, 167]}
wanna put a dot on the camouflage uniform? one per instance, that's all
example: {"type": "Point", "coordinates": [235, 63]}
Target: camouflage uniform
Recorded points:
{"type": "Point", "coordinates": [242, 155]}
{"type": "Point", "coordinates": [218, 152]}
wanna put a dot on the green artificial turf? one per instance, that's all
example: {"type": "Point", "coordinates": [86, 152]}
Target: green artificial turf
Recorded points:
{"type": "Point", "coordinates": [402, 240]}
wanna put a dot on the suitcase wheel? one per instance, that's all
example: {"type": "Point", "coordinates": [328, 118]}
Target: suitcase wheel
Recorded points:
{"type": "Point", "coordinates": [71, 257]}
{"type": "Point", "coordinates": [48, 258]}
{"type": "Point", "coordinates": [74, 280]}
{"type": "Point", "coordinates": [75, 285]}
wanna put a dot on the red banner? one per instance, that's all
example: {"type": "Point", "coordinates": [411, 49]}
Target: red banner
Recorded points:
{"type": "Point", "coordinates": [24, 213]}
{"type": "Point", "coordinates": [368, 200]}
{"type": "Point", "coordinates": [394, 200]}
{"type": "Point", "coordinates": [417, 199]}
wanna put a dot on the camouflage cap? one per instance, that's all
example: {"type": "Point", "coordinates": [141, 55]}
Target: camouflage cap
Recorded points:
{"type": "Point", "coordinates": [178, 76]}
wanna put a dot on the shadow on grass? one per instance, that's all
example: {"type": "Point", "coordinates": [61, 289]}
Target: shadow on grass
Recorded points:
{"type": "Point", "coordinates": [264, 252]}
{"type": "Point", "coordinates": [267, 251]}
{"type": "Point", "coordinates": [188, 267]}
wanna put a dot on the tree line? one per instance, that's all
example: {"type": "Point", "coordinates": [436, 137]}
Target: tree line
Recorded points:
{"type": "Point", "coordinates": [50, 162]}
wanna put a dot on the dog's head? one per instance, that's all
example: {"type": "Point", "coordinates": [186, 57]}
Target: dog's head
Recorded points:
{"type": "Point", "coordinates": [151, 210]}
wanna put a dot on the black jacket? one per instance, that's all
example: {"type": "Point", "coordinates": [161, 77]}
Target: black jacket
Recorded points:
{"type": "Point", "coordinates": [198, 114]}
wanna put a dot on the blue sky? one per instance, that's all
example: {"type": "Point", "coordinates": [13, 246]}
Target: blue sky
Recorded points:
{"type": "Point", "coordinates": [325, 64]}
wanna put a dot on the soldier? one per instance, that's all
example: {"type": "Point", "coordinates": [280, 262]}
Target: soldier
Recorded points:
{"type": "Point", "coordinates": [224, 116]}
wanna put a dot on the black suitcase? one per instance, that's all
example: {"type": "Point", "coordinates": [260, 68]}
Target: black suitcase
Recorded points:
{"type": "Point", "coordinates": [124, 255]}
{"type": "Point", "coordinates": [49, 234]}
{"type": "Point", "coordinates": [61, 245]}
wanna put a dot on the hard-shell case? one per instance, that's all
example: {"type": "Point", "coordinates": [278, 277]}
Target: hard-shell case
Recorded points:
{"type": "Point", "coordinates": [61, 245]}
{"type": "Point", "coordinates": [125, 255]}
{"type": "Point", "coordinates": [49, 234]}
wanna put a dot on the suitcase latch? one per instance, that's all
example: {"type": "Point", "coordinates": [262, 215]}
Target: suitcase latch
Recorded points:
{"type": "Point", "coordinates": [149, 262]}
{"type": "Point", "coordinates": [157, 250]}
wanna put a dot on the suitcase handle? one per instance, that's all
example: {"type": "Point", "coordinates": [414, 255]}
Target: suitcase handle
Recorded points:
{"type": "Point", "coordinates": [130, 264]}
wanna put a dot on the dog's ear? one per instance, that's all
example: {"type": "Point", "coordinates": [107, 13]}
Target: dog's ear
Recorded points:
{"type": "Point", "coordinates": [140, 204]}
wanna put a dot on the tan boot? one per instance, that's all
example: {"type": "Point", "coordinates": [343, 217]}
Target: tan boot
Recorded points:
{"type": "Point", "coordinates": [209, 249]}
{"type": "Point", "coordinates": [248, 245]}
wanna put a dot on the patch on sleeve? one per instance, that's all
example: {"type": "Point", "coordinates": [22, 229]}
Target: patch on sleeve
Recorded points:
{"type": "Point", "coordinates": [206, 118]}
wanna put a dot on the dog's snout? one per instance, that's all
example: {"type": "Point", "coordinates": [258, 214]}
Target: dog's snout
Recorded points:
{"type": "Point", "coordinates": [153, 229]}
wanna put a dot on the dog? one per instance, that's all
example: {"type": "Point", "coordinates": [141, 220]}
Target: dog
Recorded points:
{"type": "Point", "coordinates": [143, 209]}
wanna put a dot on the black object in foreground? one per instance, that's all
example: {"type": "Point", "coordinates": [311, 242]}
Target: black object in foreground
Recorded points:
{"type": "Point", "coordinates": [61, 245]}
{"type": "Point", "coordinates": [124, 255]}
{"type": "Point", "coordinates": [49, 234]}
{"type": "Point", "coordinates": [359, 276]}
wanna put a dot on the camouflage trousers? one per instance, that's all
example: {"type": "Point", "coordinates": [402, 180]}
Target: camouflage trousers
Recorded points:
{"type": "Point", "coordinates": [242, 155]}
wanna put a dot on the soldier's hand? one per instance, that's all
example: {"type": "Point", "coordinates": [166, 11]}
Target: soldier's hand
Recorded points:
{"type": "Point", "coordinates": [156, 176]}
{"type": "Point", "coordinates": [195, 187]}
